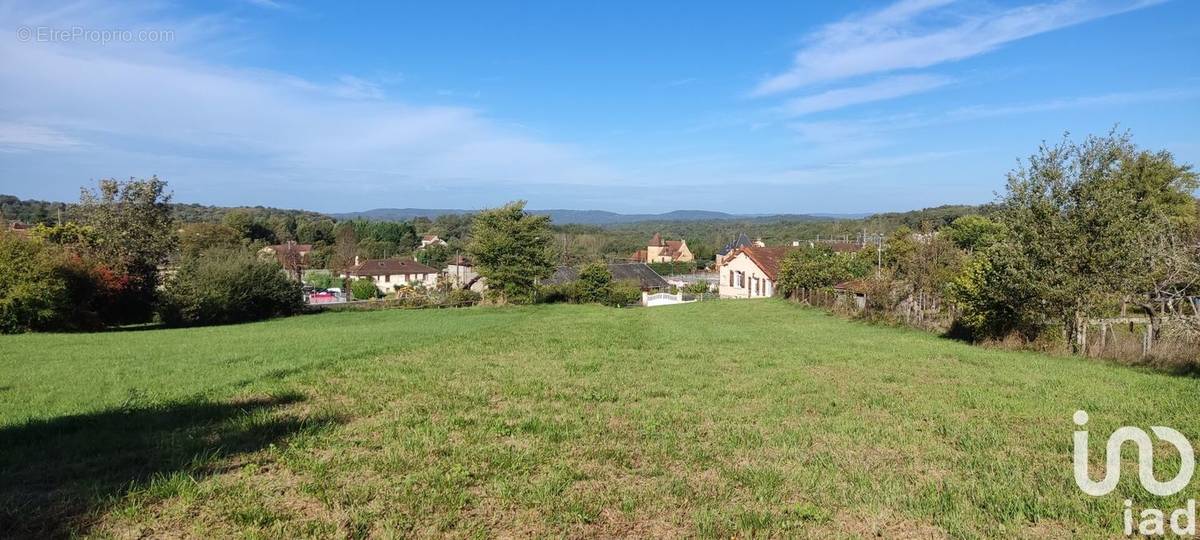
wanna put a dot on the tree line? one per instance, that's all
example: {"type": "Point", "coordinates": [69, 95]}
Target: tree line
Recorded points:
{"type": "Point", "coordinates": [573, 244]}
{"type": "Point", "coordinates": [1086, 230]}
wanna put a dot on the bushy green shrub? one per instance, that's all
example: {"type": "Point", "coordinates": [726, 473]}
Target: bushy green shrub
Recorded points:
{"type": "Point", "coordinates": [624, 293]}
{"type": "Point", "coordinates": [44, 286]}
{"type": "Point", "coordinates": [557, 294]}
{"type": "Point", "coordinates": [463, 297]}
{"type": "Point", "coordinates": [228, 286]}
{"type": "Point", "coordinates": [673, 268]}
{"type": "Point", "coordinates": [322, 279]}
{"type": "Point", "coordinates": [364, 289]}
{"type": "Point", "coordinates": [594, 284]}
{"type": "Point", "coordinates": [34, 294]}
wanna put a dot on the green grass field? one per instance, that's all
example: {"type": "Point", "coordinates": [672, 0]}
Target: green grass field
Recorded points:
{"type": "Point", "coordinates": [713, 419]}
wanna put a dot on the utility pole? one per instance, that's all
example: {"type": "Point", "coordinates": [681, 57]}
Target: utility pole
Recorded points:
{"type": "Point", "coordinates": [879, 254]}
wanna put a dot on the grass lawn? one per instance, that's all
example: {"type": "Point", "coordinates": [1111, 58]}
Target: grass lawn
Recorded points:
{"type": "Point", "coordinates": [712, 419]}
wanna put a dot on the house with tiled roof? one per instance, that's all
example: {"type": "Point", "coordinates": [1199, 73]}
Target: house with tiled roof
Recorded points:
{"type": "Point", "coordinates": [645, 277]}
{"type": "Point", "coordinates": [293, 257]}
{"type": "Point", "coordinates": [388, 274]}
{"type": "Point", "coordinates": [727, 251]}
{"type": "Point", "coordinates": [663, 251]}
{"type": "Point", "coordinates": [751, 272]}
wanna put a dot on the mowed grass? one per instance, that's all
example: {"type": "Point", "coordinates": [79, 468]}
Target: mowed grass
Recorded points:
{"type": "Point", "coordinates": [734, 418]}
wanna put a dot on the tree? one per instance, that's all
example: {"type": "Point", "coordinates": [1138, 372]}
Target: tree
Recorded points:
{"type": "Point", "coordinates": [806, 270]}
{"type": "Point", "coordinates": [292, 259]}
{"type": "Point", "coordinates": [134, 234]}
{"type": "Point", "coordinates": [993, 292]}
{"type": "Point", "coordinates": [451, 226]}
{"type": "Point", "coordinates": [435, 256]}
{"type": "Point", "coordinates": [511, 249]}
{"type": "Point", "coordinates": [974, 232]}
{"type": "Point", "coordinates": [315, 231]}
{"type": "Point", "coordinates": [925, 263]}
{"type": "Point", "coordinates": [249, 227]}
{"type": "Point", "coordinates": [225, 286]}
{"type": "Point", "coordinates": [196, 238]}
{"type": "Point", "coordinates": [1079, 215]}
{"type": "Point", "coordinates": [594, 284]}
{"type": "Point", "coordinates": [345, 246]}
{"type": "Point", "coordinates": [322, 280]}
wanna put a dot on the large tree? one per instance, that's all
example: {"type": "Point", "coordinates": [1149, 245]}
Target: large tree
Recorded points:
{"type": "Point", "coordinates": [511, 249]}
{"type": "Point", "coordinates": [134, 235]}
{"type": "Point", "coordinates": [1079, 215]}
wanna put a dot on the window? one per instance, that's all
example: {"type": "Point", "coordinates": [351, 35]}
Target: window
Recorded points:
{"type": "Point", "coordinates": [731, 278]}
{"type": "Point", "coordinates": [387, 278]}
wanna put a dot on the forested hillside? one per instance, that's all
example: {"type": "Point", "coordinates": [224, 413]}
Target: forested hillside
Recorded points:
{"type": "Point", "coordinates": [49, 212]}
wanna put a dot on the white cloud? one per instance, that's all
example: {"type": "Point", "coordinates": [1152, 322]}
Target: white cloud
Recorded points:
{"type": "Point", "coordinates": [1104, 100]}
{"type": "Point", "coordinates": [21, 137]}
{"type": "Point", "coordinates": [914, 34]}
{"type": "Point", "coordinates": [269, 4]}
{"type": "Point", "coordinates": [856, 136]}
{"type": "Point", "coordinates": [136, 106]}
{"type": "Point", "coordinates": [887, 88]}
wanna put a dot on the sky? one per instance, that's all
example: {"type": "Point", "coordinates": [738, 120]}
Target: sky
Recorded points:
{"type": "Point", "coordinates": [787, 107]}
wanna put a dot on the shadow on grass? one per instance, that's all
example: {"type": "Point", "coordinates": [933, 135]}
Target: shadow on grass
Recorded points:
{"type": "Point", "coordinates": [57, 475]}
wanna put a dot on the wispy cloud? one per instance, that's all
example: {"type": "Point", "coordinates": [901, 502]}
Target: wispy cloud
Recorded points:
{"type": "Point", "coordinates": [157, 109]}
{"type": "Point", "coordinates": [886, 88]}
{"type": "Point", "coordinates": [873, 133]}
{"type": "Point", "coordinates": [680, 82]}
{"type": "Point", "coordinates": [269, 4]}
{"type": "Point", "coordinates": [1103, 100]}
{"type": "Point", "coordinates": [22, 137]}
{"type": "Point", "coordinates": [914, 34]}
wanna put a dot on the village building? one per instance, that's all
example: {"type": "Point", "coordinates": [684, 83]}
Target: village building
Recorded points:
{"type": "Point", "coordinates": [727, 251]}
{"type": "Point", "coordinates": [461, 274]}
{"type": "Point", "coordinates": [286, 250]}
{"type": "Point", "coordinates": [853, 292]}
{"type": "Point", "coordinates": [388, 274]}
{"type": "Point", "coordinates": [751, 272]}
{"type": "Point", "coordinates": [646, 278]}
{"type": "Point", "coordinates": [19, 228]}
{"type": "Point", "coordinates": [660, 251]}
{"type": "Point", "coordinates": [292, 257]}
{"type": "Point", "coordinates": [431, 240]}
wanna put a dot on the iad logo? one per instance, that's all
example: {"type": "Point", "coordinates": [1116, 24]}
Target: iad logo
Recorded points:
{"type": "Point", "coordinates": [1112, 464]}
{"type": "Point", "coordinates": [1183, 520]}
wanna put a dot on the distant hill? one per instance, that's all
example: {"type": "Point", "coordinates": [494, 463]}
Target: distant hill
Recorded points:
{"type": "Point", "coordinates": [35, 211]}
{"type": "Point", "coordinates": [592, 217]}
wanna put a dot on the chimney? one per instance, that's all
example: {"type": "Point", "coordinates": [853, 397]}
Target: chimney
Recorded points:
{"type": "Point", "coordinates": [356, 260]}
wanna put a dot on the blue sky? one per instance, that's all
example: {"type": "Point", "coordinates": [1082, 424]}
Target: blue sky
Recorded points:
{"type": "Point", "coordinates": [624, 106]}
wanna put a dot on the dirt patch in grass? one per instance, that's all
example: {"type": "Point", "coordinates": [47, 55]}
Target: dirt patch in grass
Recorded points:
{"type": "Point", "coordinates": [886, 524]}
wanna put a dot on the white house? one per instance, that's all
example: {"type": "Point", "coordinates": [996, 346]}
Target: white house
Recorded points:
{"type": "Point", "coordinates": [391, 273]}
{"type": "Point", "coordinates": [751, 272]}
{"type": "Point", "coordinates": [431, 240]}
{"type": "Point", "coordinates": [461, 273]}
